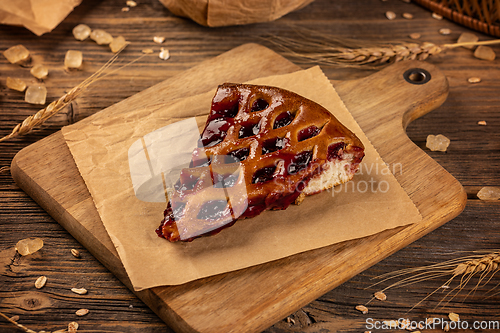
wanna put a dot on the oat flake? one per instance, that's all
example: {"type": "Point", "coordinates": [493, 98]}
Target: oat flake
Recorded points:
{"type": "Point", "coordinates": [437, 16]}
{"type": "Point", "coordinates": [390, 15]}
{"type": "Point", "coordinates": [444, 31]}
{"type": "Point", "coordinates": [362, 309]}
{"type": "Point", "coordinates": [474, 79]}
{"type": "Point", "coordinates": [72, 327]}
{"type": "Point", "coordinates": [80, 291]}
{"type": "Point", "coordinates": [454, 317]}
{"type": "Point", "coordinates": [380, 296]}
{"type": "Point", "coordinates": [82, 312]}
{"type": "Point", "coordinates": [40, 282]}
{"type": "Point", "coordinates": [75, 253]}
{"type": "Point", "coordinates": [391, 323]}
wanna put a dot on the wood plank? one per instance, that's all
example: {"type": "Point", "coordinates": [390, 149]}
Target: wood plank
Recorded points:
{"type": "Point", "coordinates": [69, 202]}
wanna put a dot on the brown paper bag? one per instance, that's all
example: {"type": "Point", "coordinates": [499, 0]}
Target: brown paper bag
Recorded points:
{"type": "Point", "coordinates": [38, 16]}
{"type": "Point", "coordinates": [218, 13]}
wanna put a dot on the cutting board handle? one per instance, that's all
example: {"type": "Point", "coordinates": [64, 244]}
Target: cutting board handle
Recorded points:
{"type": "Point", "coordinates": [383, 104]}
{"type": "Point", "coordinates": [394, 96]}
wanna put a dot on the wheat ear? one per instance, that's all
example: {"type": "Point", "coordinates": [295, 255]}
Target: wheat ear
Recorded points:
{"type": "Point", "coordinates": [484, 264]}
{"type": "Point", "coordinates": [34, 121]}
{"type": "Point", "coordinates": [327, 52]}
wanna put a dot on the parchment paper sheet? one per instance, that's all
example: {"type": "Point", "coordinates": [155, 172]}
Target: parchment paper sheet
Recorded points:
{"type": "Point", "coordinates": [218, 13]}
{"type": "Point", "coordinates": [372, 202]}
{"type": "Point", "coordinates": [38, 16]}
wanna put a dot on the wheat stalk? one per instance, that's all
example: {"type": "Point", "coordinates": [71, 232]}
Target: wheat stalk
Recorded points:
{"type": "Point", "coordinates": [24, 328]}
{"type": "Point", "coordinates": [325, 51]}
{"type": "Point", "coordinates": [35, 121]}
{"type": "Point", "coordinates": [483, 264]}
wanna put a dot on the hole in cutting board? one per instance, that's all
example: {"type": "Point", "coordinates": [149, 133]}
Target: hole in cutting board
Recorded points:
{"type": "Point", "coordinates": [417, 76]}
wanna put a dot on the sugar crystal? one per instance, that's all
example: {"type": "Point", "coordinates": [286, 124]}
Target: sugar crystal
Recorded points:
{"type": "Point", "coordinates": [489, 193]}
{"type": "Point", "coordinates": [16, 84]}
{"type": "Point", "coordinates": [437, 142]}
{"type": "Point", "coordinates": [117, 44]}
{"type": "Point", "coordinates": [485, 53]}
{"type": "Point", "coordinates": [81, 31]}
{"type": "Point", "coordinates": [36, 94]}
{"type": "Point", "coordinates": [29, 246]}
{"type": "Point", "coordinates": [73, 59]}
{"type": "Point", "coordinates": [101, 37]}
{"type": "Point", "coordinates": [467, 37]}
{"type": "Point", "coordinates": [158, 39]}
{"type": "Point", "coordinates": [164, 54]}
{"type": "Point", "coordinates": [17, 54]}
{"type": "Point", "coordinates": [39, 71]}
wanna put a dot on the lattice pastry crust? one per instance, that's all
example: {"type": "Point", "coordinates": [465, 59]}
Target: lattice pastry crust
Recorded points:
{"type": "Point", "coordinates": [262, 148]}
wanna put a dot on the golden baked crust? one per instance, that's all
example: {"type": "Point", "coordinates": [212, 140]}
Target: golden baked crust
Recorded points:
{"type": "Point", "coordinates": [260, 148]}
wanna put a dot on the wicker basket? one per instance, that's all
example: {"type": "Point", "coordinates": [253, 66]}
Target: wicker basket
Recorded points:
{"type": "Point", "coordinates": [480, 15]}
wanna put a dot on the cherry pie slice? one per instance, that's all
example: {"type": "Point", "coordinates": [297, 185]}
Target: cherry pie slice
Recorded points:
{"type": "Point", "coordinates": [262, 148]}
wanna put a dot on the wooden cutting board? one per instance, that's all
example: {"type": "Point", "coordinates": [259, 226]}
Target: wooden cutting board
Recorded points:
{"type": "Point", "coordinates": [252, 299]}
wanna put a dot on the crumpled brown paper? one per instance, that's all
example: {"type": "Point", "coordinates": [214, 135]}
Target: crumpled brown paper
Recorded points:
{"type": "Point", "coordinates": [218, 13]}
{"type": "Point", "coordinates": [374, 201]}
{"type": "Point", "coordinates": [38, 16]}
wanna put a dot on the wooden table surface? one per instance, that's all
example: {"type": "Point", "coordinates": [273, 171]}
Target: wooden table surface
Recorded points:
{"type": "Point", "coordinates": [473, 157]}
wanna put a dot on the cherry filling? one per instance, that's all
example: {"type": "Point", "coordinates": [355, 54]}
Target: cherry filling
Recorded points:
{"type": "Point", "coordinates": [259, 105]}
{"type": "Point", "coordinates": [167, 228]}
{"type": "Point", "coordinates": [248, 129]}
{"type": "Point", "coordinates": [214, 132]}
{"type": "Point", "coordinates": [263, 175]}
{"type": "Point", "coordinates": [237, 155]}
{"type": "Point", "coordinates": [187, 183]}
{"type": "Point", "coordinates": [283, 119]}
{"type": "Point", "coordinates": [358, 154]}
{"type": "Point", "coordinates": [273, 145]}
{"type": "Point", "coordinates": [308, 133]}
{"type": "Point", "coordinates": [335, 151]}
{"type": "Point", "coordinates": [202, 162]}
{"type": "Point", "coordinates": [225, 109]}
{"type": "Point", "coordinates": [299, 162]}
{"type": "Point", "coordinates": [178, 210]}
{"type": "Point", "coordinates": [213, 210]}
{"type": "Point", "coordinates": [221, 181]}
